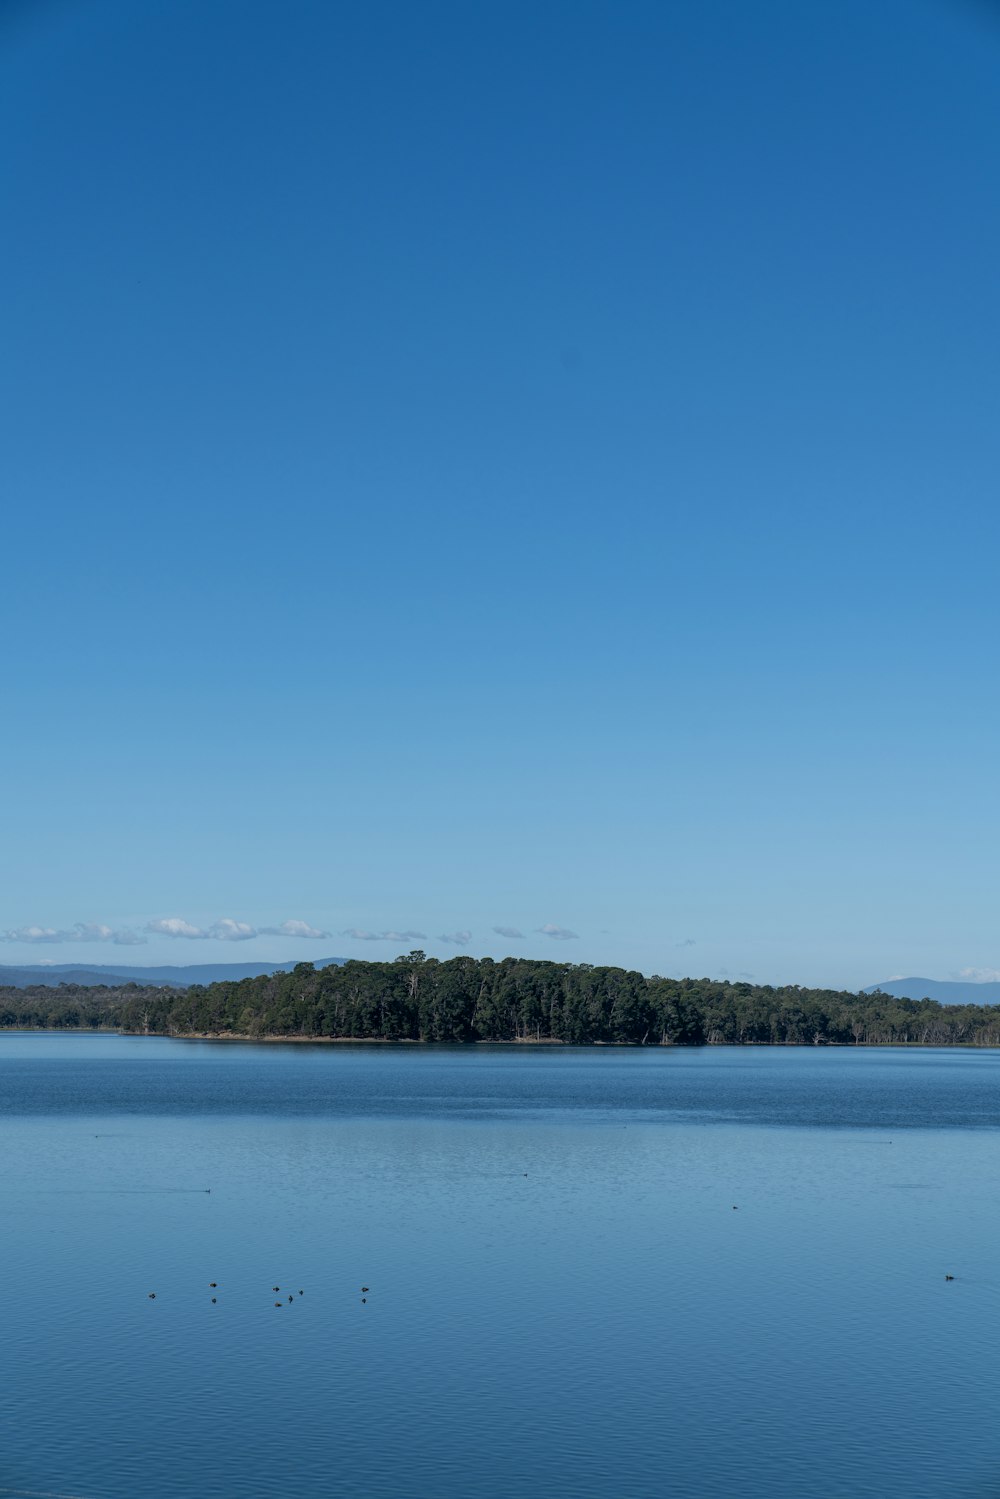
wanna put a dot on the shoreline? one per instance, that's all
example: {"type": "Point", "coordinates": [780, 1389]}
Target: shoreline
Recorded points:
{"type": "Point", "coordinates": [364, 1040]}
{"type": "Point", "coordinates": [239, 1037]}
{"type": "Point", "coordinates": [580, 1045]}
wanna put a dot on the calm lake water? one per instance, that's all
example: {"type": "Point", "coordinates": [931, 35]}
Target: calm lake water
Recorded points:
{"type": "Point", "coordinates": [563, 1301]}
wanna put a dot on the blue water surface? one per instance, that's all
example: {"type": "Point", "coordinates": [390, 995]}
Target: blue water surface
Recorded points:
{"type": "Point", "coordinates": [591, 1272]}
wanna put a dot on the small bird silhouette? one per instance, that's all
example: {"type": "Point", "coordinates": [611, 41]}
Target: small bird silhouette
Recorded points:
{"type": "Point", "coordinates": [275, 1288]}
{"type": "Point", "coordinates": [152, 1295]}
{"type": "Point", "coordinates": [366, 1288]}
{"type": "Point", "coordinates": [279, 1303]}
{"type": "Point", "coordinates": [212, 1285]}
{"type": "Point", "coordinates": [214, 1299]}
{"type": "Point", "coordinates": [949, 1277]}
{"type": "Point", "coordinates": [363, 1300]}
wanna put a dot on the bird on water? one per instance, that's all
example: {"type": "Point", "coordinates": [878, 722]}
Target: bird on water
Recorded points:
{"type": "Point", "coordinates": [152, 1295]}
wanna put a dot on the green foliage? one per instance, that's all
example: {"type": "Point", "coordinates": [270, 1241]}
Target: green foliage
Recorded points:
{"type": "Point", "coordinates": [77, 1007]}
{"type": "Point", "coordinates": [417, 998]}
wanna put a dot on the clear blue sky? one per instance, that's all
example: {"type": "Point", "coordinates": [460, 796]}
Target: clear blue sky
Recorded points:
{"type": "Point", "coordinates": [517, 465]}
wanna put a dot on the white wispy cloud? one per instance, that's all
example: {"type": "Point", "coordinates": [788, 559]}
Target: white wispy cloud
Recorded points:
{"type": "Point", "coordinates": [360, 935]}
{"type": "Point", "coordinates": [980, 975]}
{"type": "Point", "coordinates": [174, 926]}
{"type": "Point", "coordinates": [82, 931]}
{"type": "Point", "coordinates": [122, 937]}
{"type": "Point", "coordinates": [557, 933]}
{"type": "Point", "coordinates": [458, 939]}
{"type": "Point", "coordinates": [508, 931]}
{"type": "Point", "coordinates": [293, 929]}
{"type": "Point", "coordinates": [227, 930]}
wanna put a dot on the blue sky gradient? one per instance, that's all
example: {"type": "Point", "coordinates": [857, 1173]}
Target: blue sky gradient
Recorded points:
{"type": "Point", "coordinates": [526, 465]}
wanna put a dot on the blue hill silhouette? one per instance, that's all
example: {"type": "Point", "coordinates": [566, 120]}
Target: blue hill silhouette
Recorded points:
{"type": "Point", "coordinates": [26, 975]}
{"type": "Point", "coordinates": [945, 991]}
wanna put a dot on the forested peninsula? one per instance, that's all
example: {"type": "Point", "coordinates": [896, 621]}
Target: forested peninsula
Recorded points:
{"type": "Point", "coordinates": [465, 999]}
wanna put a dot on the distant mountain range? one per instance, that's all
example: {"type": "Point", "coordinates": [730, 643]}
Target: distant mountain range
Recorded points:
{"type": "Point", "coordinates": [945, 991]}
{"type": "Point", "coordinates": [30, 974]}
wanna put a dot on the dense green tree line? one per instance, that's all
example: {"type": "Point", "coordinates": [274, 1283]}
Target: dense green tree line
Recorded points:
{"type": "Point", "coordinates": [420, 999]}
{"type": "Point", "coordinates": [468, 999]}
{"type": "Point", "coordinates": [70, 1006]}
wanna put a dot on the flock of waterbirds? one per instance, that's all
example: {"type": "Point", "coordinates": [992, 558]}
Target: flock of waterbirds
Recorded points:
{"type": "Point", "coordinates": [213, 1285]}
